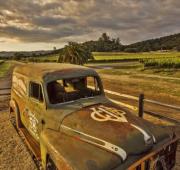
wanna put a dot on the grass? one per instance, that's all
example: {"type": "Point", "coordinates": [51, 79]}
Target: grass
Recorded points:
{"type": "Point", "coordinates": [49, 58]}
{"type": "Point", "coordinates": [139, 71]}
{"type": "Point", "coordinates": [162, 63]}
{"type": "Point", "coordinates": [138, 80]}
{"type": "Point", "coordinates": [131, 66]}
{"type": "Point", "coordinates": [4, 68]}
{"type": "Point", "coordinates": [103, 56]}
{"type": "Point", "coordinates": [1, 61]}
{"type": "Point", "coordinates": [115, 56]}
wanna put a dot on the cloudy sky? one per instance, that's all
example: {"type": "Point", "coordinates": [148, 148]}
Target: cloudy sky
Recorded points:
{"type": "Point", "coordinates": [42, 24]}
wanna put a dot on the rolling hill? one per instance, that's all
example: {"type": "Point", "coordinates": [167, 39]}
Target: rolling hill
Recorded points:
{"type": "Point", "coordinates": [163, 43]}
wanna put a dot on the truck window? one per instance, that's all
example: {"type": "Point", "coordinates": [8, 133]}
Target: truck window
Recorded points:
{"type": "Point", "coordinates": [66, 90]}
{"type": "Point", "coordinates": [36, 91]}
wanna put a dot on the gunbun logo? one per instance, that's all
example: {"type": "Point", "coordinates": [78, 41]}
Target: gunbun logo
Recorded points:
{"type": "Point", "coordinates": [103, 113]}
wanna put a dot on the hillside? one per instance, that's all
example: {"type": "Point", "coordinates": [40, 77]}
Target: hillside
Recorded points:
{"type": "Point", "coordinates": [163, 43]}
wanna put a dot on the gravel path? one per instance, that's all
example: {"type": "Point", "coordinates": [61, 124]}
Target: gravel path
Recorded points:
{"type": "Point", "coordinates": [13, 152]}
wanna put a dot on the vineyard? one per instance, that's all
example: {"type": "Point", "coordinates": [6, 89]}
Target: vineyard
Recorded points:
{"type": "Point", "coordinates": [110, 56]}
{"type": "Point", "coordinates": [149, 59]}
{"type": "Point", "coordinates": [162, 63]}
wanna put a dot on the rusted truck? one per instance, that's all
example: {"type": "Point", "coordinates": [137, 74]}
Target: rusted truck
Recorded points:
{"type": "Point", "coordinates": [69, 123]}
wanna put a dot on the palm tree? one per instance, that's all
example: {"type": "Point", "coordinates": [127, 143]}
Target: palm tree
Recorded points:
{"type": "Point", "coordinates": [75, 53]}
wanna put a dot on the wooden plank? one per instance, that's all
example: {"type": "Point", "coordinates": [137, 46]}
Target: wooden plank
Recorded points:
{"type": "Point", "coordinates": [5, 94]}
{"type": "Point", "coordinates": [5, 88]}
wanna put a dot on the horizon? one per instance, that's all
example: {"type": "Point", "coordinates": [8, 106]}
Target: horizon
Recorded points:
{"type": "Point", "coordinates": [82, 42]}
{"type": "Point", "coordinates": [41, 25]}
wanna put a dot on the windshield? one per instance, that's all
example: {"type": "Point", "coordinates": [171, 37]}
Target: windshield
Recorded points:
{"type": "Point", "coordinates": [66, 90]}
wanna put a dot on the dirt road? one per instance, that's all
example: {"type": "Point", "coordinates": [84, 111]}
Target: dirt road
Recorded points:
{"type": "Point", "coordinates": [13, 152]}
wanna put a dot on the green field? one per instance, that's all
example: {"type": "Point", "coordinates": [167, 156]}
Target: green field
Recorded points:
{"type": "Point", "coordinates": [49, 58]}
{"type": "Point", "coordinates": [152, 63]}
{"type": "Point", "coordinates": [149, 59]}
{"type": "Point", "coordinates": [162, 63]}
{"type": "Point", "coordinates": [1, 61]}
{"type": "Point", "coordinates": [113, 56]}
{"type": "Point", "coordinates": [104, 56]}
{"type": "Point", "coordinates": [4, 68]}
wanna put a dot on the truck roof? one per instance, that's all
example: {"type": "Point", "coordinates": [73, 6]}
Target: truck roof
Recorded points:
{"type": "Point", "coordinates": [53, 71]}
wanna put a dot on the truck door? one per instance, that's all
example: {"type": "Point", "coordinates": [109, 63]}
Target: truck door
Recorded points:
{"type": "Point", "coordinates": [35, 108]}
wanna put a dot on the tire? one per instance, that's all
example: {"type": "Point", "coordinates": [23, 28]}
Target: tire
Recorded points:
{"type": "Point", "coordinates": [50, 164]}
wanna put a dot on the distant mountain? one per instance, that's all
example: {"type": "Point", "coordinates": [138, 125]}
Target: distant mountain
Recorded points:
{"type": "Point", "coordinates": [163, 43]}
{"type": "Point", "coordinates": [9, 54]}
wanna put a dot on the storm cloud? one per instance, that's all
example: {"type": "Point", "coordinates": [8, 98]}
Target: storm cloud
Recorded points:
{"type": "Point", "coordinates": [59, 21]}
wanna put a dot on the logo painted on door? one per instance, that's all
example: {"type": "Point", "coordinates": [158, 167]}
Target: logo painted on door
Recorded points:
{"type": "Point", "coordinates": [33, 123]}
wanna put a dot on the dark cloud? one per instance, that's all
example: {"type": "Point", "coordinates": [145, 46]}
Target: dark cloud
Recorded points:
{"type": "Point", "coordinates": [47, 21]}
{"type": "Point", "coordinates": [58, 20]}
{"type": "Point", "coordinates": [38, 35]}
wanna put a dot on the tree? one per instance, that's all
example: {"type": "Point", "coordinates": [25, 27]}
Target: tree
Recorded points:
{"type": "Point", "coordinates": [18, 56]}
{"type": "Point", "coordinates": [104, 44]}
{"type": "Point", "coordinates": [178, 48]}
{"type": "Point", "coordinates": [75, 53]}
{"type": "Point", "coordinates": [105, 37]}
{"type": "Point", "coordinates": [146, 47]}
{"type": "Point", "coordinates": [130, 50]}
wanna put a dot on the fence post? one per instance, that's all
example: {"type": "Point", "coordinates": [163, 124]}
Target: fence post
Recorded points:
{"type": "Point", "coordinates": [141, 105]}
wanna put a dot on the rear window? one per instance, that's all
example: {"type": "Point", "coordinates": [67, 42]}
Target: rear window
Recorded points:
{"type": "Point", "coordinates": [36, 91]}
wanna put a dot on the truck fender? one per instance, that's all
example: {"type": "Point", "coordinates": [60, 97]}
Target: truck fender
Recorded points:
{"type": "Point", "coordinates": [47, 149]}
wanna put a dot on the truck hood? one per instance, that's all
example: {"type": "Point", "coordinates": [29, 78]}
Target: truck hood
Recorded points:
{"type": "Point", "coordinates": [112, 128]}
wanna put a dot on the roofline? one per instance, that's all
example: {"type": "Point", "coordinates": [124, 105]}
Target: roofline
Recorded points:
{"type": "Point", "coordinates": [46, 73]}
